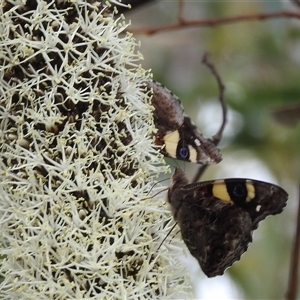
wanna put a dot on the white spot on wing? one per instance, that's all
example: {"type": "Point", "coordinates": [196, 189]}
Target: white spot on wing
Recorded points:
{"type": "Point", "coordinates": [197, 142]}
{"type": "Point", "coordinates": [258, 207]}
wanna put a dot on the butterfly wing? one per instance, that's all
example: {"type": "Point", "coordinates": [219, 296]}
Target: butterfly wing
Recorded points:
{"type": "Point", "coordinates": [260, 199]}
{"type": "Point", "coordinates": [216, 233]}
{"type": "Point", "coordinates": [217, 218]}
{"type": "Point", "coordinates": [201, 149]}
{"type": "Point", "coordinates": [169, 113]}
{"type": "Point", "coordinates": [176, 132]}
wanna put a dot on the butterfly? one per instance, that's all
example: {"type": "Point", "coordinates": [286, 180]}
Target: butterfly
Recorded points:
{"type": "Point", "coordinates": [217, 218]}
{"type": "Point", "coordinates": [176, 133]}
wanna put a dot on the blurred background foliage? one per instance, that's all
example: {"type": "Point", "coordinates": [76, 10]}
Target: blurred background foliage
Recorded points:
{"type": "Point", "coordinates": [259, 62]}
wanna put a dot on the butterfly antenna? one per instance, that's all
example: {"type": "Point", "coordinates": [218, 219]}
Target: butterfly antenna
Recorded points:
{"type": "Point", "coordinates": [160, 181]}
{"type": "Point", "coordinates": [167, 236]}
{"type": "Point", "coordinates": [218, 136]}
{"type": "Point", "coordinates": [156, 194]}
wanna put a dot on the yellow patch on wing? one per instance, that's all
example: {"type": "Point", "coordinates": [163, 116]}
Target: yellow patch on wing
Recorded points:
{"type": "Point", "coordinates": [193, 154]}
{"type": "Point", "coordinates": [171, 141]}
{"type": "Point", "coordinates": [250, 190]}
{"type": "Point", "coordinates": [219, 191]}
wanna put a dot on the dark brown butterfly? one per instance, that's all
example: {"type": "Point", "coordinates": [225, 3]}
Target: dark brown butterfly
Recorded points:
{"type": "Point", "coordinates": [177, 134]}
{"type": "Point", "coordinates": [217, 218]}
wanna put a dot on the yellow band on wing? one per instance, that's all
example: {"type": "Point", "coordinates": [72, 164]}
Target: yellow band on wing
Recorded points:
{"type": "Point", "coordinates": [219, 190]}
{"type": "Point", "coordinates": [250, 190]}
{"type": "Point", "coordinates": [171, 142]}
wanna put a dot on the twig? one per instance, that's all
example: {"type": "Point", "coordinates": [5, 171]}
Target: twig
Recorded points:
{"type": "Point", "coordinates": [217, 21]}
{"type": "Point", "coordinates": [180, 17]}
{"type": "Point", "coordinates": [293, 278]}
{"type": "Point", "coordinates": [296, 2]}
{"type": "Point", "coordinates": [218, 136]}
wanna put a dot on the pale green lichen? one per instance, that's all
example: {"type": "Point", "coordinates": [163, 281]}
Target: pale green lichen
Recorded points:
{"type": "Point", "coordinates": [77, 160]}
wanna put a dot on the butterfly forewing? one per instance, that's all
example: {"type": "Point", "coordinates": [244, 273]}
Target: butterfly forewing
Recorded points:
{"type": "Point", "coordinates": [260, 199]}
{"type": "Point", "coordinates": [217, 218]}
{"type": "Point", "coordinates": [177, 134]}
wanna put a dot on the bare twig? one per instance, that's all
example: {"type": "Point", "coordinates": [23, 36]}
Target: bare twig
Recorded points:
{"type": "Point", "coordinates": [217, 21]}
{"type": "Point", "coordinates": [287, 114]}
{"type": "Point", "coordinates": [180, 11]}
{"type": "Point", "coordinates": [218, 136]}
{"type": "Point", "coordinates": [296, 2]}
{"type": "Point", "coordinates": [293, 278]}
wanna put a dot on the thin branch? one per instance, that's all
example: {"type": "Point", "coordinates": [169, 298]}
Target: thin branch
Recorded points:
{"type": "Point", "coordinates": [217, 21]}
{"type": "Point", "coordinates": [180, 17]}
{"type": "Point", "coordinates": [293, 278]}
{"type": "Point", "coordinates": [296, 2]}
{"type": "Point", "coordinates": [218, 136]}
{"type": "Point", "coordinates": [287, 114]}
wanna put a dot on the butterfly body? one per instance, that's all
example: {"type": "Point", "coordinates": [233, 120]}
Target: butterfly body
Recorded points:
{"type": "Point", "coordinates": [177, 134]}
{"type": "Point", "coordinates": [217, 218]}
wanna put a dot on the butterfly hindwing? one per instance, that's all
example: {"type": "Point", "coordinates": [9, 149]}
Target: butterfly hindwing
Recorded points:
{"type": "Point", "coordinates": [215, 245]}
{"type": "Point", "coordinates": [177, 134]}
{"type": "Point", "coordinates": [216, 218]}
